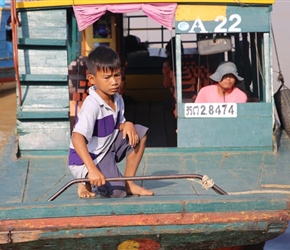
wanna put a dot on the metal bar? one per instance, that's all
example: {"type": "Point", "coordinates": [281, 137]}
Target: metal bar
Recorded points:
{"type": "Point", "coordinates": [139, 178]}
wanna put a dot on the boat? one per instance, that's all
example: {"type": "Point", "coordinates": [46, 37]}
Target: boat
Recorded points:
{"type": "Point", "coordinates": [219, 173]}
{"type": "Point", "coordinates": [7, 72]}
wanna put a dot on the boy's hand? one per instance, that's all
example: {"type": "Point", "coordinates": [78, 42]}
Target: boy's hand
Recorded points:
{"type": "Point", "coordinates": [96, 177]}
{"type": "Point", "coordinates": [130, 131]}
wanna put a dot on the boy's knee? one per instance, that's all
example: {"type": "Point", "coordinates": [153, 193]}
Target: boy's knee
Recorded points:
{"type": "Point", "coordinates": [118, 193]}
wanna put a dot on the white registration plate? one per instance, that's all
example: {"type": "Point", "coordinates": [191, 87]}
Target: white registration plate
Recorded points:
{"type": "Point", "coordinates": [208, 110]}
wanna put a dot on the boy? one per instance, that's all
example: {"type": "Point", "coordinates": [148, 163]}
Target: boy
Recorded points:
{"type": "Point", "coordinates": [101, 136]}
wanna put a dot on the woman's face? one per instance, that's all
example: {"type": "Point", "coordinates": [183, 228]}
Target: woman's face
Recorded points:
{"type": "Point", "coordinates": [228, 81]}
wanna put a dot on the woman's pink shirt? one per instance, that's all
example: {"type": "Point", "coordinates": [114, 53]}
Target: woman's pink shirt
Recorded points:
{"type": "Point", "coordinates": [210, 94]}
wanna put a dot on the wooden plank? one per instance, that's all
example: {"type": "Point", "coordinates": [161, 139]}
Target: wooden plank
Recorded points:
{"type": "Point", "coordinates": [169, 164]}
{"type": "Point", "coordinates": [217, 133]}
{"type": "Point", "coordinates": [275, 167]}
{"type": "Point", "coordinates": [44, 98]}
{"type": "Point", "coordinates": [40, 78]}
{"type": "Point", "coordinates": [51, 26]}
{"type": "Point", "coordinates": [43, 135]}
{"type": "Point", "coordinates": [37, 61]}
{"type": "Point", "coordinates": [43, 114]}
{"type": "Point", "coordinates": [253, 204]}
{"type": "Point", "coordinates": [233, 172]}
{"type": "Point", "coordinates": [42, 42]}
{"type": "Point", "coordinates": [47, 173]}
{"type": "Point", "coordinates": [140, 220]}
{"type": "Point", "coordinates": [13, 173]}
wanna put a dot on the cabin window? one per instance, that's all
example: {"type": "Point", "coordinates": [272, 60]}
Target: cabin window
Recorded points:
{"type": "Point", "coordinates": [245, 52]}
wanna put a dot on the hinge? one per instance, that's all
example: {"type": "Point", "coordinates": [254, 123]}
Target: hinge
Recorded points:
{"type": "Point", "coordinates": [9, 237]}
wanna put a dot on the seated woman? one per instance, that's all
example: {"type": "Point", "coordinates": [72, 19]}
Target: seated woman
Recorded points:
{"type": "Point", "coordinates": [225, 90]}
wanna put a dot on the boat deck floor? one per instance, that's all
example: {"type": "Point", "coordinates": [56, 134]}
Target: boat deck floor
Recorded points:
{"type": "Point", "coordinates": [35, 179]}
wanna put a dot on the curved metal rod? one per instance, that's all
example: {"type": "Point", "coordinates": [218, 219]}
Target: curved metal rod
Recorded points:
{"type": "Point", "coordinates": [139, 178]}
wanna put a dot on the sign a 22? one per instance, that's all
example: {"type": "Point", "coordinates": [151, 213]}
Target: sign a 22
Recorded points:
{"type": "Point", "coordinates": [232, 23]}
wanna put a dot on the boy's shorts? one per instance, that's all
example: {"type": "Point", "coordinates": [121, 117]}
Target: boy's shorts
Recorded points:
{"type": "Point", "coordinates": [108, 165]}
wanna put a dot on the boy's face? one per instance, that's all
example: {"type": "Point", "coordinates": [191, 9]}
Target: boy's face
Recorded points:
{"type": "Point", "coordinates": [107, 82]}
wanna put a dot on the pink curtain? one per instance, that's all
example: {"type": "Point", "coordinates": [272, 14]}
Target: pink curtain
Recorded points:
{"type": "Point", "coordinates": [162, 13]}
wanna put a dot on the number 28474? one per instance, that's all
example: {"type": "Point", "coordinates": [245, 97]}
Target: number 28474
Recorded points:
{"type": "Point", "coordinates": [208, 110]}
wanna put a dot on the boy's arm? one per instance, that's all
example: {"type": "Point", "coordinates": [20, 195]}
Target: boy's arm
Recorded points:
{"type": "Point", "coordinates": [129, 130]}
{"type": "Point", "coordinates": [94, 174]}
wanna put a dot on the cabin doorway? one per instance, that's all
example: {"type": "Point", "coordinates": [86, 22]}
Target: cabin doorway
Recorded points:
{"type": "Point", "coordinates": [147, 101]}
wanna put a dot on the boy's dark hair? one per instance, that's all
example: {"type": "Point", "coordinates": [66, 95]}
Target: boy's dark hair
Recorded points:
{"type": "Point", "coordinates": [103, 58]}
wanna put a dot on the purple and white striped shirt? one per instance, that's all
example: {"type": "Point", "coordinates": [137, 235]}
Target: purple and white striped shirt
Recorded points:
{"type": "Point", "coordinates": [99, 124]}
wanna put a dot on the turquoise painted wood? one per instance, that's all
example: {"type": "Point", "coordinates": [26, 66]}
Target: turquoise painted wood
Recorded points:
{"type": "Point", "coordinates": [252, 128]}
{"type": "Point", "coordinates": [42, 61]}
{"type": "Point", "coordinates": [40, 78]}
{"type": "Point", "coordinates": [235, 19]}
{"type": "Point", "coordinates": [42, 42]}
{"type": "Point", "coordinates": [44, 99]}
{"type": "Point", "coordinates": [43, 24]}
{"type": "Point", "coordinates": [43, 116]}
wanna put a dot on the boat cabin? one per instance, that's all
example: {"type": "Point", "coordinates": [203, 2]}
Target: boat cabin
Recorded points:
{"type": "Point", "coordinates": [52, 73]}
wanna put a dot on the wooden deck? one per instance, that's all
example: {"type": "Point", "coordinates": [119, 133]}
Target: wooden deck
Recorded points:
{"type": "Point", "coordinates": [26, 185]}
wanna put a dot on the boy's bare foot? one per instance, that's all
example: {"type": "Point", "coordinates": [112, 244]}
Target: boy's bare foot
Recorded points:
{"type": "Point", "coordinates": [84, 191]}
{"type": "Point", "coordinates": [133, 188]}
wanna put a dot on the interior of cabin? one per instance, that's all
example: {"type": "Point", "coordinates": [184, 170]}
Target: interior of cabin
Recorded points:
{"type": "Point", "coordinates": [149, 69]}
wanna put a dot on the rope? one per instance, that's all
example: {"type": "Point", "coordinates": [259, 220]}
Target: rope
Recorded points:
{"type": "Point", "coordinates": [275, 186]}
{"type": "Point", "coordinates": [206, 182]}
{"type": "Point", "coordinates": [280, 76]}
{"type": "Point", "coordinates": [260, 192]}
